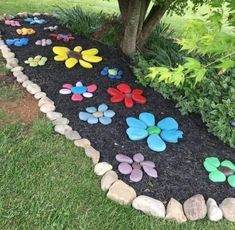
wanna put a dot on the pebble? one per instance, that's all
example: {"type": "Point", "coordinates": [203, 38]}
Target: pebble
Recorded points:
{"type": "Point", "coordinates": [195, 207]}
{"type": "Point", "coordinates": [121, 193]}
{"type": "Point", "coordinates": [62, 128]}
{"type": "Point", "coordinates": [8, 55]}
{"type": "Point", "coordinates": [17, 69]}
{"type": "Point", "coordinates": [36, 14]}
{"type": "Point", "coordinates": [45, 108]}
{"type": "Point", "coordinates": [124, 168]}
{"type": "Point", "coordinates": [136, 175]}
{"type": "Point", "coordinates": [18, 74]}
{"type": "Point", "coordinates": [45, 100]}
{"type": "Point", "coordinates": [149, 206]}
{"type": "Point", "coordinates": [138, 157]}
{"type": "Point", "coordinates": [228, 208]}
{"type": "Point", "coordinates": [214, 213]}
{"type": "Point", "coordinates": [39, 95]}
{"type": "Point", "coordinates": [82, 143]}
{"type": "Point", "coordinates": [26, 83]}
{"type": "Point", "coordinates": [108, 179]}
{"type": "Point", "coordinates": [22, 79]}
{"type": "Point", "coordinates": [53, 115]}
{"type": "Point", "coordinates": [147, 118]}
{"type": "Point", "coordinates": [33, 88]}
{"type": "Point", "coordinates": [93, 154]}
{"type": "Point", "coordinates": [72, 135]}
{"type": "Point", "coordinates": [150, 171]}
{"type": "Point", "coordinates": [123, 158]}
{"type": "Point", "coordinates": [102, 167]}
{"type": "Point", "coordinates": [174, 211]}
{"type": "Point", "coordinates": [168, 123]}
{"type": "Point", "coordinates": [60, 121]}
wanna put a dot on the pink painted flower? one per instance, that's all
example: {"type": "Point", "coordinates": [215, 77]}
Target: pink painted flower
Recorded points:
{"type": "Point", "coordinates": [12, 23]}
{"type": "Point", "coordinates": [78, 91]}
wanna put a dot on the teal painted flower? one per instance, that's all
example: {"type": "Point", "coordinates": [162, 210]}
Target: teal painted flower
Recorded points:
{"type": "Point", "coordinates": [166, 130]}
{"type": "Point", "coordinates": [220, 171]}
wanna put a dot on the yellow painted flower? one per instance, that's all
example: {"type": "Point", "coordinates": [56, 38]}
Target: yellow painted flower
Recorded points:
{"type": "Point", "coordinates": [72, 57]}
{"type": "Point", "coordinates": [25, 31]}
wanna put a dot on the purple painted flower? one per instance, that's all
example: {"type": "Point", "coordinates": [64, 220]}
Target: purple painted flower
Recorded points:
{"type": "Point", "coordinates": [135, 166]}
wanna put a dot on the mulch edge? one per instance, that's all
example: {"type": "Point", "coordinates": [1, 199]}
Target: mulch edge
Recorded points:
{"type": "Point", "coordinates": [116, 189]}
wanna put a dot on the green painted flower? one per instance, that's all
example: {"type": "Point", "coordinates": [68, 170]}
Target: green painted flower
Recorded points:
{"type": "Point", "coordinates": [220, 171]}
{"type": "Point", "coordinates": [36, 61]}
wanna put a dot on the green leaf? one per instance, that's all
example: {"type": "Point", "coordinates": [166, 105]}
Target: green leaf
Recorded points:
{"type": "Point", "coordinates": [211, 164]}
{"type": "Point", "coordinates": [226, 64]}
{"type": "Point", "coordinates": [217, 176]}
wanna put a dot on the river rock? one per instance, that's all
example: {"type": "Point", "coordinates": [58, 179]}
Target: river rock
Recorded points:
{"type": "Point", "coordinates": [33, 88]}
{"type": "Point", "coordinates": [26, 83]}
{"type": "Point", "coordinates": [60, 121]}
{"type": "Point", "coordinates": [53, 115]}
{"type": "Point", "coordinates": [108, 179]}
{"type": "Point", "coordinates": [62, 128]}
{"type": "Point", "coordinates": [195, 207]}
{"type": "Point", "coordinates": [45, 100]}
{"type": "Point", "coordinates": [22, 79]}
{"type": "Point", "coordinates": [82, 143]}
{"type": "Point", "coordinates": [72, 135]}
{"type": "Point", "coordinates": [149, 206]}
{"type": "Point", "coordinates": [18, 74]}
{"type": "Point", "coordinates": [228, 208]}
{"type": "Point", "coordinates": [93, 154]}
{"type": "Point", "coordinates": [17, 69]}
{"type": "Point", "coordinates": [214, 213]}
{"type": "Point", "coordinates": [121, 193]}
{"type": "Point", "coordinates": [102, 167]}
{"type": "Point", "coordinates": [48, 107]}
{"type": "Point", "coordinates": [39, 95]}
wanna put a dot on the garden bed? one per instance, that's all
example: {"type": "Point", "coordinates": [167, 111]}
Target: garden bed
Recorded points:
{"type": "Point", "coordinates": [180, 167]}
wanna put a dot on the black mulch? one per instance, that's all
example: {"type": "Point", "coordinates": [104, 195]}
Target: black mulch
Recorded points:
{"type": "Point", "coordinates": [180, 169]}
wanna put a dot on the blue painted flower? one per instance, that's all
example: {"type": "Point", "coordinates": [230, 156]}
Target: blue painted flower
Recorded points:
{"type": "Point", "coordinates": [113, 73]}
{"type": "Point", "coordinates": [94, 115]}
{"type": "Point", "coordinates": [17, 42]}
{"type": "Point", "coordinates": [166, 130]}
{"type": "Point", "coordinates": [35, 20]}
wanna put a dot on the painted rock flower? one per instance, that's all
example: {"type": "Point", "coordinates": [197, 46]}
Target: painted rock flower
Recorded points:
{"type": "Point", "coordinates": [135, 166]}
{"type": "Point", "coordinates": [72, 57]}
{"type": "Point", "coordinates": [35, 20]}
{"type": "Point", "coordinates": [113, 73]}
{"type": "Point", "coordinates": [63, 37]}
{"type": "Point", "coordinates": [166, 130]}
{"type": "Point", "coordinates": [17, 42]}
{"type": "Point", "coordinates": [36, 61]}
{"type": "Point", "coordinates": [220, 171]}
{"type": "Point", "coordinates": [94, 115]}
{"type": "Point", "coordinates": [123, 92]}
{"type": "Point", "coordinates": [78, 91]}
{"type": "Point", "coordinates": [12, 23]}
{"type": "Point", "coordinates": [25, 31]}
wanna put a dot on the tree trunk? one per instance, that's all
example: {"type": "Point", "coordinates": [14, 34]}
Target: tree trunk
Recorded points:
{"type": "Point", "coordinates": [123, 7]}
{"type": "Point", "coordinates": [152, 20]}
{"type": "Point", "coordinates": [131, 27]}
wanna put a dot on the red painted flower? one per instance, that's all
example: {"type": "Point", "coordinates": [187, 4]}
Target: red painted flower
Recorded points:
{"type": "Point", "coordinates": [123, 92]}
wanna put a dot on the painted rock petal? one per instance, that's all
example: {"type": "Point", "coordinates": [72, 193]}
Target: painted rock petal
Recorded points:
{"type": "Point", "coordinates": [128, 102]}
{"type": "Point", "coordinates": [135, 123]}
{"type": "Point", "coordinates": [138, 157]}
{"type": "Point", "coordinates": [91, 109]}
{"type": "Point", "coordinates": [211, 163]}
{"type": "Point", "coordinates": [229, 164]}
{"type": "Point", "coordinates": [171, 136]}
{"type": "Point", "coordinates": [147, 118]}
{"type": "Point", "coordinates": [87, 95]}
{"type": "Point", "coordinates": [156, 143]}
{"type": "Point", "coordinates": [65, 91]}
{"type": "Point", "coordinates": [124, 88]}
{"type": "Point", "coordinates": [105, 120]}
{"type": "Point", "coordinates": [123, 158]}
{"type": "Point", "coordinates": [79, 83]}
{"type": "Point", "coordinates": [92, 120]}
{"type": "Point", "coordinates": [148, 163]}
{"type": "Point", "coordinates": [102, 107]}
{"type": "Point", "coordinates": [150, 171]}
{"type": "Point", "coordinates": [136, 134]}
{"type": "Point", "coordinates": [231, 181]}
{"type": "Point", "coordinates": [217, 176]}
{"type": "Point", "coordinates": [136, 175]}
{"type": "Point", "coordinates": [84, 116]}
{"type": "Point", "coordinates": [67, 86]}
{"type": "Point", "coordinates": [139, 98]}
{"type": "Point", "coordinates": [77, 97]}
{"type": "Point", "coordinates": [109, 113]}
{"type": "Point", "coordinates": [124, 168]}
{"type": "Point", "coordinates": [168, 123]}
{"type": "Point", "coordinates": [91, 88]}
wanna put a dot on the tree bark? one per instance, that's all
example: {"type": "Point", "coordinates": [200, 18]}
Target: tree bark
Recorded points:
{"type": "Point", "coordinates": [128, 44]}
{"type": "Point", "coordinates": [123, 7]}
{"type": "Point", "coordinates": [152, 20]}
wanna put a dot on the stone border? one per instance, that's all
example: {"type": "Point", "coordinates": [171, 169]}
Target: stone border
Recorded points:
{"type": "Point", "coordinates": [194, 208]}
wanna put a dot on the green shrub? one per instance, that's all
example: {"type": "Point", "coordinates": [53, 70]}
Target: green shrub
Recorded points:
{"type": "Point", "coordinates": [214, 100]}
{"type": "Point", "coordinates": [79, 21]}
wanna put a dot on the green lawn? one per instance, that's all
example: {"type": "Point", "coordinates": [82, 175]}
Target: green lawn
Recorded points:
{"type": "Point", "coordinates": [48, 183]}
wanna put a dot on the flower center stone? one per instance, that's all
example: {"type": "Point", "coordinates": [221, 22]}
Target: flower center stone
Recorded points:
{"type": "Point", "coordinates": [153, 130]}
{"type": "Point", "coordinates": [73, 54]}
{"type": "Point", "coordinates": [98, 114]}
{"type": "Point", "coordinates": [226, 170]}
{"type": "Point", "coordinates": [112, 71]}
